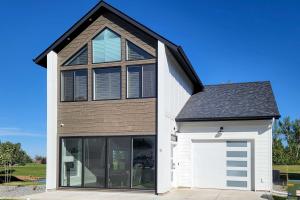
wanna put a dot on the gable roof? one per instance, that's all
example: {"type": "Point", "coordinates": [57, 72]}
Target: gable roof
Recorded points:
{"type": "Point", "coordinates": [253, 100]}
{"type": "Point", "coordinates": [95, 12]}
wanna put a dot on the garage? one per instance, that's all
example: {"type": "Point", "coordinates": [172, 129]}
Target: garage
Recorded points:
{"type": "Point", "coordinates": [224, 164]}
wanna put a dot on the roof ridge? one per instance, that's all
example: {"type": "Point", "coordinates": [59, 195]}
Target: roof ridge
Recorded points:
{"type": "Point", "coordinates": [237, 83]}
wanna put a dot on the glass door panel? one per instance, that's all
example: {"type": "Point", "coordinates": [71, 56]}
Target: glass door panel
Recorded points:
{"type": "Point", "coordinates": [71, 162]}
{"type": "Point", "coordinates": [143, 162]}
{"type": "Point", "coordinates": [119, 162]}
{"type": "Point", "coordinates": [94, 162]}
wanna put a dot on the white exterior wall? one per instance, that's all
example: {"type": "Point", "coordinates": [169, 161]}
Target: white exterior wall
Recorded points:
{"type": "Point", "coordinates": [258, 132]}
{"type": "Point", "coordinates": [174, 89]}
{"type": "Point", "coordinates": [52, 160]}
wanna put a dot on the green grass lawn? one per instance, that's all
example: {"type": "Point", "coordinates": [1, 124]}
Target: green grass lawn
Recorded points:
{"type": "Point", "coordinates": [32, 169]}
{"type": "Point", "coordinates": [287, 168]}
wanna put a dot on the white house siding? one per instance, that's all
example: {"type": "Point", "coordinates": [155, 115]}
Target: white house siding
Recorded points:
{"type": "Point", "coordinates": [258, 132]}
{"type": "Point", "coordinates": [174, 89]}
{"type": "Point", "coordinates": [52, 160]}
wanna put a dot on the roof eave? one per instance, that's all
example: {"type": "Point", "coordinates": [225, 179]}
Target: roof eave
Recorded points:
{"type": "Point", "coordinates": [40, 59]}
{"type": "Point", "coordinates": [227, 118]}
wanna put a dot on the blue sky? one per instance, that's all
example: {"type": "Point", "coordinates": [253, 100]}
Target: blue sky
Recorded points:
{"type": "Point", "coordinates": [226, 41]}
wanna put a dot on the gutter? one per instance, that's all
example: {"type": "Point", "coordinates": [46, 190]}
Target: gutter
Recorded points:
{"type": "Point", "coordinates": [226, 118]}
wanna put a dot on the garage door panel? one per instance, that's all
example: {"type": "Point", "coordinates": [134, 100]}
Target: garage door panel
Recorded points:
{"type": "Point", "coordinates": [206, 160]}
{"type": "Point", "coordinates": [222, 164]}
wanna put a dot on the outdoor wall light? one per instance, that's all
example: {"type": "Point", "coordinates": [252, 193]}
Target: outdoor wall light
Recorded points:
{"type": "Point", "coordinates": [221, 130]}
{"type": "Point", "coordinates": [219, 134]}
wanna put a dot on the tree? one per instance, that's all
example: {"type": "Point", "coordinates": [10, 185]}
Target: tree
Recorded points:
{"type": "Point", "coordinates": [286, 142]}
{"type": "Point", "coordinates": [40, 159]}
{"type": "Point", "coordinates": [12, 154]}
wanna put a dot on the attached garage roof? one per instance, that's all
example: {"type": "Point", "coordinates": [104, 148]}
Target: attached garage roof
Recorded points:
{"type": "Point", "coordinates": [238, 101]}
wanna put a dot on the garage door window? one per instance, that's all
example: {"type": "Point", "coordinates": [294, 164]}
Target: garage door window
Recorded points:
{"type": "Point", "coordinates": [239, 173]}
{"type": "Point", "coordinates": [238, 164]}
{"type": "Point", "coordinates": [242, 184]}
{"type": "Point", "coordinates": [234, 163]}
{"type": "Point", "coordinates": [241, 154]}
{"type": "Point", "coordinates": [236, 144]}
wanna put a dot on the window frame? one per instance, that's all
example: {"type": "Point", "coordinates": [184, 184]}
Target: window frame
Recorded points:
{"type": "Point", "coordinates": [71, 58]}
{"type": "Point", "coordinates": [126, 52]}
{"type": "Point", "coordinates": [94, 87]}
{"type": "Point", "coordinates": [106, 137]}
{"type": "Point", "coordinates": [87, 83]}
{"type": "Point", "coordinates": [142, 85]}
{"type": "Point", "coordinates": [92, 50]}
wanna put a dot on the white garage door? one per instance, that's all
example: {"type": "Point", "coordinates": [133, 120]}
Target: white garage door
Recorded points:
{"type": "Point", "coordinates": [222, 164]}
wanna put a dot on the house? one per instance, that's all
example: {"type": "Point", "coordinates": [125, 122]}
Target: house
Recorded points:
{"type": "Point", "coordinates": [126, 110]}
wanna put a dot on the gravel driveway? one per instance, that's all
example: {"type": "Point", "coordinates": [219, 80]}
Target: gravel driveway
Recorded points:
{"type": "Point", "coordinates": [17, 191]}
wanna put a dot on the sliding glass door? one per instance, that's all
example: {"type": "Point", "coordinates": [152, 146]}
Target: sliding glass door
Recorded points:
{"type": "Point", "coordinates": [119, 162]}
{"type": "Point", "coordinates": [143, 162]}
{"type": "Point", "coordinates": [94, 162]}
{"type": "Point", "coordinates": [119, 153]}
{"type": "Point", "coordinates": [71, 162]}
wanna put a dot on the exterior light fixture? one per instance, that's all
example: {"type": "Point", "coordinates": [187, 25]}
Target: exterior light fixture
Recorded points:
{"type": "Point", "coordinates": [221, 130]}
{"type": "Point", "coordinates": [219, 134]}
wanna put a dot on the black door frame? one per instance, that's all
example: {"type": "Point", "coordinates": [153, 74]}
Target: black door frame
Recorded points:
{"type": "Point", "coordinates": [106, 161]}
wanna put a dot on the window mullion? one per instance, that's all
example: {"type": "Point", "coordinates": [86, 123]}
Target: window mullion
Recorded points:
{"type": "Point", "coordinates": [74, 89]}
{"type": "Point", "coordinates": [142, 82]}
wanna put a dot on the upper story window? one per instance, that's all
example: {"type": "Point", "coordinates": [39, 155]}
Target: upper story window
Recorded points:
{"type": "Point", "coordinates": [134, 52]}
{"type": "Point", "coordinates": [106, 47]}
{"type": "Point", "coordinates": [79, 58]}
{"type": "Point", "coordinates": [141, 81]}
{"type": "Point", "coordinates": [74, 85]}
{"type": "Point", "coordinates": [107, 83]}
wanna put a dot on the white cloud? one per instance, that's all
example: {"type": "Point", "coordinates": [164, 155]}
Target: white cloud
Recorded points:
{"type": "Point", "coordinates": [11, 131]}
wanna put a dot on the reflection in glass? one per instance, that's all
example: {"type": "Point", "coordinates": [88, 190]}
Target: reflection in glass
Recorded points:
{"type": "Point", "coordinates": [106, 47]}
{"type": "Point", "coordinates": [71, 163]}
{"type": "Point", "coordinates": [237, 154]}
{"type": "Point", "coordinates": [143, 166]}
{"type": "Point", "coordinates": [119, 151]}
{"type": "Point", "coordinates": [231, 183]}
{"type": "Point", "coordinates": [94, 162]}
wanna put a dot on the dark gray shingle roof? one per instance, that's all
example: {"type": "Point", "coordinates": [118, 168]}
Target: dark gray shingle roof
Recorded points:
{"type": "Point", "coordinates": [253, 100]}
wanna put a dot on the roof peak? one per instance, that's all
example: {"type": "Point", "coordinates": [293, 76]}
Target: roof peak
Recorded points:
{"type": "Point", "coordinates": [97, 11]}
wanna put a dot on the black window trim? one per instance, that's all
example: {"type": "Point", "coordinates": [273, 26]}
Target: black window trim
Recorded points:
{"type": "Point", "coordinates": [92, 50]}
{"type": "Point", "coordinates": [87, 87]}
{"type": "Point", "coordinates": [93, 83]}
{"type": "Point", "coordinates": [141, 89]}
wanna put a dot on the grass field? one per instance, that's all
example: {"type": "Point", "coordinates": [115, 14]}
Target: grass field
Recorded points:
{"type": "Point", "coordinates": [287, 168]}
{"type": "Point", "coordinates": [32, 169]}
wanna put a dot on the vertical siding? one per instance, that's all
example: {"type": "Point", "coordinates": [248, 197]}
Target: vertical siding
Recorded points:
{"type": "Point", "coordinates": [174, 89]}
{"type": "Point", "coordinates": [258, 132]}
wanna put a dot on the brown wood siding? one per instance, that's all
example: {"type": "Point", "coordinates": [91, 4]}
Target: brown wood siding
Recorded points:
{"type": "Point", "coordinates": [107, 117]}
